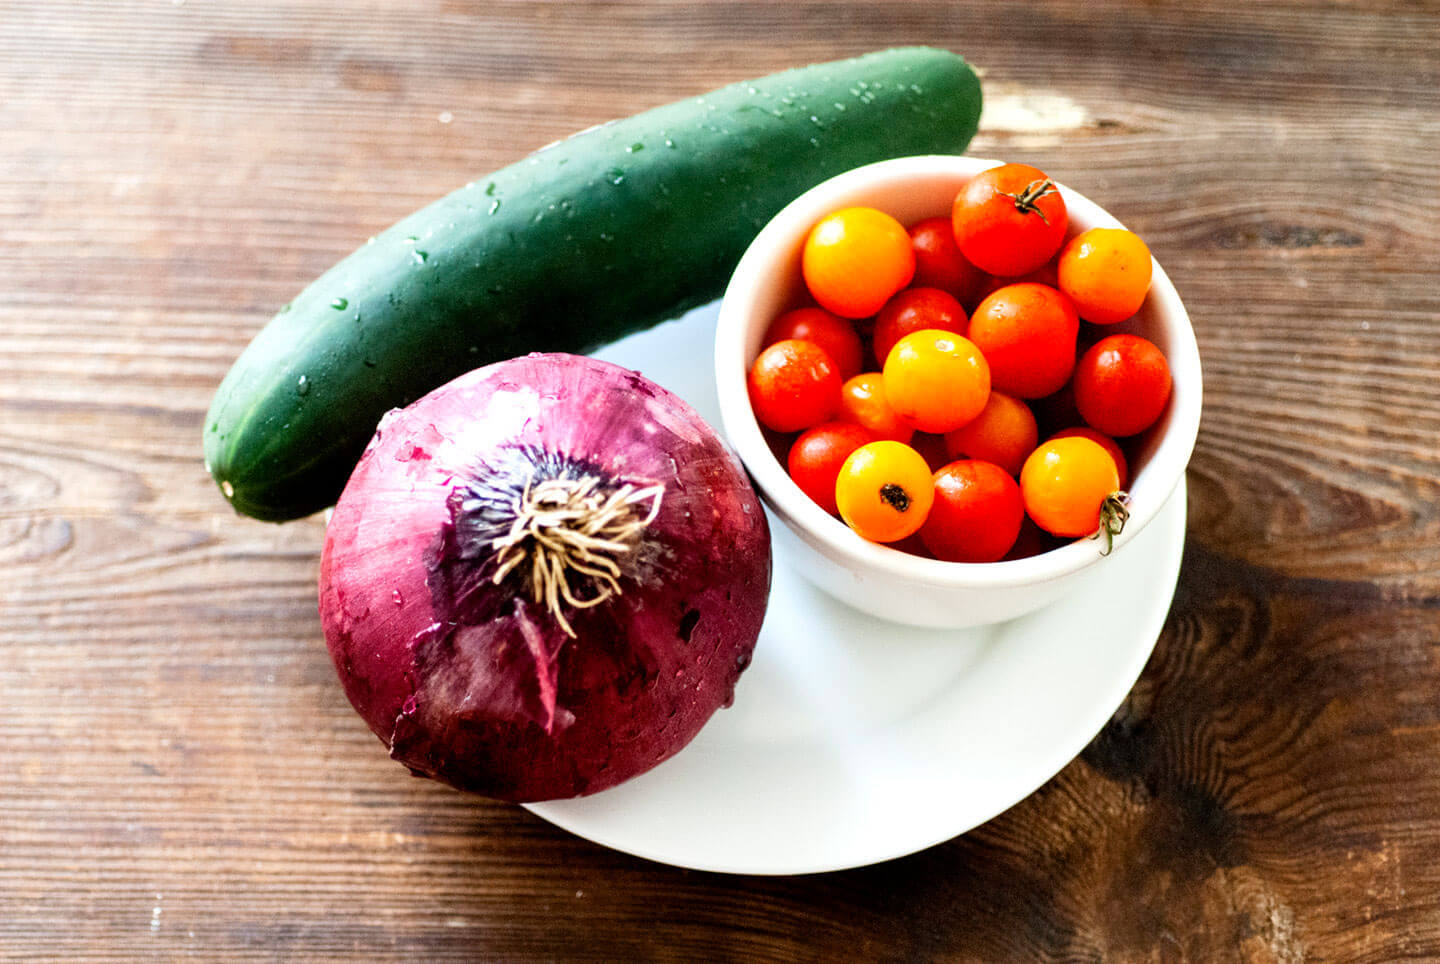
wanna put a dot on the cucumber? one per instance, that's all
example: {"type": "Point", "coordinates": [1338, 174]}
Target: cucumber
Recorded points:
{"type": "Point", "coordinates": [592, 238]}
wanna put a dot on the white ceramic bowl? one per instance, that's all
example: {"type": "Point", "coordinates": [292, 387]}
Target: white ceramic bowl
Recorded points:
{"type": "Point", "coordinates": [877, 579]}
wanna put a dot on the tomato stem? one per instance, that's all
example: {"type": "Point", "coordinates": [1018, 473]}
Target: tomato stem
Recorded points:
{"type": "Point", "coordinates": [1025, 200]}
{"type": "Point", "coordinates": [1114, 513]}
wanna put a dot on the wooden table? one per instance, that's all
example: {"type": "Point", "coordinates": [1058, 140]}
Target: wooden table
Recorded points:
{"type": "Point", "coordinates": [182, 777]}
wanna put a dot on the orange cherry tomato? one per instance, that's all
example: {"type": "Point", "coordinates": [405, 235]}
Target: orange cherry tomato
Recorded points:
{"type": "Point", "coordinates": [831, 332]}
{"type": "Point", "coordinates": [1028, 333]}
{"type": "Point", "coordinates": [1105, 442]}
{"type": "Point", "coordinates": [939, 263]}
{"type": "Point", "coordinates": [816, 456]}
{"type": "Point", "coordinates": [1009, 220]}
{"type": "Point", "coordinates": [793, 385]}
{"type": "Point", "coordinates": [1122, 385]}
{"type": "Point", "coordinates": [936, 380]}
{"type": "Point", "coordinates": [863, 401]}
{"type": "Point", "coordinates": [855, 259]}
{"type": "Point", "coordinates": [884, 491]}
{"type": "Point", "coordinates": [916, 309]}
{"type": "Point", "coordinates": [1071, 488]}
{"type": "Point", "coordinates": [1004, 433]}
{"type": "Point", "coordinates": [977, 513]}
{"type": "Point", "coordinates": [1106, 273]}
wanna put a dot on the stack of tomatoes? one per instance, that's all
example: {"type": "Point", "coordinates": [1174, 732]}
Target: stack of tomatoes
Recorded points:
{"type": "Point", "coordinates": [912, 392]}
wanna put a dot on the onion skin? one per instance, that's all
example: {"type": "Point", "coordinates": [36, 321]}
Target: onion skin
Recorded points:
{"type": "Point", "coordinates": [507, 705]}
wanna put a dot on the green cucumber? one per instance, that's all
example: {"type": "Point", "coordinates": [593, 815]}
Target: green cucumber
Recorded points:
{"type": "Point", "coordinates": [592, 238]}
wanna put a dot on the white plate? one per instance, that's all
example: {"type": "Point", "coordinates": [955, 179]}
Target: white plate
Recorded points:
{"type": "Point", "coordinates": [854, 740]}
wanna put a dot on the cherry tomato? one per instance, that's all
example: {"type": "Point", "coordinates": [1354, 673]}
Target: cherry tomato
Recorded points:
{"type": "Point", "coordinates": [793, 385]}
{"type": "Point", "coordinates": [1027, 332]}
{"type": "Point", "coordinates": [855, 259]}
{"type": "Point", "coordinates": [816, 456]}
{"type": "Point", "coordinates": [1009, 220]}
{"type": "Point", "coordinates": [831, 332]}
{"type": "Point", "coordinates": [936, 380]}
{"type": "Point", "coordinates": [1105, 442]}
{"type": "Point", "coordinates": [1043, 275]}
{"type": "Point", "coordinates": [1106, 273]}
{"type": "Point", "coordinates": [1004, 433]}
{"type": "Point", "coordinates": [977, 513]}
{"type": "Point", "coordinates": [1072, 488]}
{"type": "Point", "coordinates": [884, 491]}
{"type": "Point", "coordinates": [932, 449]}
{"type": "Point", "coordinates": [939, 263]}
{"type": "Point", "coordinates": [915, 309]}
{"type": "Point", "coordinates": [1032, 541]}
{"type": "Point", "coordinates": [863, 401]}
{"type": "Point", "coordinates": [1056, 411]}
{"type": "Point", "coordinates": [1121, 385]}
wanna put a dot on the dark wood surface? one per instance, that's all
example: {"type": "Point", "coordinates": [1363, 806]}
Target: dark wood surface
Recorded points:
{"type": "Point", "coordinates": [180, 775]}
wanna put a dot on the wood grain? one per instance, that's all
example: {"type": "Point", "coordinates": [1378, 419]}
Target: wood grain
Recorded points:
{"type": "Point", "coordinates": [185, 780]}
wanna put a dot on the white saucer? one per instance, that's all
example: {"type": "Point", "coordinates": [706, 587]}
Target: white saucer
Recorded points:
{"type": "Point", "coordinates": [854, 740]}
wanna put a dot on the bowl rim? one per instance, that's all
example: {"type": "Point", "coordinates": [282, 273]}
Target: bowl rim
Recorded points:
{"type": "Point", "coordinates": [776, 242]}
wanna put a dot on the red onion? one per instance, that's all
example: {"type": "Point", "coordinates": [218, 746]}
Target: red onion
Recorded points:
{"type": "Point", "coordinates": [543, 578]}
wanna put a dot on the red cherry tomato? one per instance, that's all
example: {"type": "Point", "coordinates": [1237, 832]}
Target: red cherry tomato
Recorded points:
{"type": "Point", "coordinates": [1121, 385]}
{"type": "Point", "coordinates": [1009, 220]}
{"type": "Point", "coordinates": [828, 330]}
{"type": "Point", "coordinates": [1046, 274]}
{"type": "Point", "coordinates": [1056, 411]}
{"type": "Point", "coordinates": [816, 456]}
{"type": "Point", "coordinates": [1028, 333]}
{"type": "Point", "coordinates": [1004, 433]}
{"type": "Point", "coordinates": [932, 449]}
{"type": "Point", "coordinates": [976, 515]}
{"type": "Point", "coordinates": [939, 263]}
{"type": "Point", "coordinates": [1105, 442]}
{"type": "Point", "coordinates": [916, 309]}
{"type": "Point", "coordinates": [1032, 541]}
{"type": "Point", "coordinates": [793, 385]}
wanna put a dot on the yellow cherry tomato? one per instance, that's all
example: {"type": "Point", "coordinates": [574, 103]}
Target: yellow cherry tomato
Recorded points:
{"type": "Point", "coordinates": [1106, 273]}
{"type": "Point", "coordinates": [855, 259]}
{"type": "Point", "coordinates": [1071, 488]}
{"type": "Point", "coordinates": [936, 380]}
{"type": "Point", "coordinates": [884, 491]}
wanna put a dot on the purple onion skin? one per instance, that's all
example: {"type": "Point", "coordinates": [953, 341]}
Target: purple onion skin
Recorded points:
{"type": "Point", "coordinates": [473, 705]}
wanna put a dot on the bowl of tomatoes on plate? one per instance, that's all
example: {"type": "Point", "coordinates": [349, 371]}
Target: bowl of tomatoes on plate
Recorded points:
{"type": "Point", "coordinates": [958, 383]}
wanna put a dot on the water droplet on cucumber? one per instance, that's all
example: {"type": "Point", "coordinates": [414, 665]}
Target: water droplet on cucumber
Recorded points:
{"type": "Point", "coordinates": [340, 304]}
